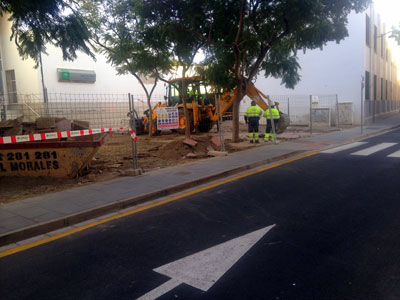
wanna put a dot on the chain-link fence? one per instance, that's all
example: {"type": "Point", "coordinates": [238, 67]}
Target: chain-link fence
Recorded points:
{"type": "Point", "coordinates": [308, 110]}
{"type": "Point", "coordinates": [100, 110]}
{"type": "Point", "coordinates": [110, 110]}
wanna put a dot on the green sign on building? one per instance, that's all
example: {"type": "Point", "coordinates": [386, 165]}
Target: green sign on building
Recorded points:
{"type": "Point", "coordinates": [73, 75]}
{"type": "Point", "coordinates": [64, 75]}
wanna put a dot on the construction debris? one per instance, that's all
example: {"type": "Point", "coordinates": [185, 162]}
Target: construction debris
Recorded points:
{"type": "Point", "coordinates": [40, 125]}
{"type": "Point", "coordinates": [190, 142]}
{"type": "Point", "coordinates": [217, 153]}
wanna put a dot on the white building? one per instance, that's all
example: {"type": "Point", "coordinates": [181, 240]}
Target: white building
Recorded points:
{"type": "Point", "coordinates": [338, 69]}
{"type": "Point", "coordinates": [20, 81]}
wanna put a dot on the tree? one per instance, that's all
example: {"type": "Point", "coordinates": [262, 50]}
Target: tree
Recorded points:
{"type": "Point", "coordinates": [244, 37]}
{"type": "Point", "coordinates": [265, 35]}
{"type": "Point", "coordinates": [128, 42]}
{"type": "Point", "coordinates": [165, 16]}
{"type": "Point", "coordinates": [36, 23]}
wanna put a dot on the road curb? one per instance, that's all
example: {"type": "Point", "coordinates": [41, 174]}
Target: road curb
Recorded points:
{"type": "Point", "coordinates": [59, 223]}
{"type": "Point", "coordinates": [367, 135]}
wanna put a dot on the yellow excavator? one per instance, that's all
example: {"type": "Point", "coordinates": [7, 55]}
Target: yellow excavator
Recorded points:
{"type": "Point", "coordinates": [200, 102]}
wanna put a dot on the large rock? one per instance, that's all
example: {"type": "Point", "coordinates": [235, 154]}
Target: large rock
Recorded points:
{"type": "Point", "coordinates": [17, 130]}
{"type": "Point", "coordinates": [79, 125]}
{"type": "Point", "coordinates": [63, 125]}
{"type": "Point", "coordinates": [12, 123]}
{"type": "Point", "coordinates": [216, 141]}
{"type": "Point", "coordinates": [190, 142]}
{"type": "Point", "coordinates": [45, 123]}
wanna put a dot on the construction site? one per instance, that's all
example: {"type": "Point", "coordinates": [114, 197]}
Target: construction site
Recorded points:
{"type": "Point", "coordinates": [114, 157]}
{"type": "Point", "coordinates": [72, 140]}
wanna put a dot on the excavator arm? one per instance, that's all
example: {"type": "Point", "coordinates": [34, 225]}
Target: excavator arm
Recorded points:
{"type": "Point", "coordinates": [228, 98]}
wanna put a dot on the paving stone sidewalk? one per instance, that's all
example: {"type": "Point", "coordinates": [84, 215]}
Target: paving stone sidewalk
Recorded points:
{"type": "Point", "coordinates": [26, 218]}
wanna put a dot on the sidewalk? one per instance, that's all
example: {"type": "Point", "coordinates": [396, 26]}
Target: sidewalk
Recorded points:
{"type": "Point", "coordinates": [31, 217]}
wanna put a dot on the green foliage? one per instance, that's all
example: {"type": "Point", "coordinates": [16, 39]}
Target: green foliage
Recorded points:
{"type": "Point", "coordinates": [130, 44]}
{"type": "Point", "coordinates": [38, 22]}
{"type": "Point", "coordinates": [396, 34]}
{"type": "Point", "coordinates": [271, 34]}
{"type": "Point", "coordinates": [174, 19]}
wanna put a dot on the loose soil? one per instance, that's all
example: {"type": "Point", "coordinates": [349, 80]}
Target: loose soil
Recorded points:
{"type": "Point", "coordinates": [115, 157]}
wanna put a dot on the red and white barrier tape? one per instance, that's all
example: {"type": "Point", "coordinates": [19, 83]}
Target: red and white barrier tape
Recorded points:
{"type": "Point", "coordinates": [61, 134]}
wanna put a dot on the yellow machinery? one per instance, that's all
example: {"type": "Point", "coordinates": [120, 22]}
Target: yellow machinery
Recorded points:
{"type": "Point", "coordinates": [200, 102]}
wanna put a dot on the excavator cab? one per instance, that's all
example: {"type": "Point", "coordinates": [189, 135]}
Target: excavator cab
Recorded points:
{"type": "Point", "coordinates": [199, 102]}
{"type": "Point", "coordinates": [196, 90]}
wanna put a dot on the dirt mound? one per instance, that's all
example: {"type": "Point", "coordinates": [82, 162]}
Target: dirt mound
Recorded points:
{"type": "Point", "coordinates": [177, 150]}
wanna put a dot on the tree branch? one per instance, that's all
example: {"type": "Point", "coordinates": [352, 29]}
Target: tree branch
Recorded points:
{"type": "Point", "coordinates": [264, 50]}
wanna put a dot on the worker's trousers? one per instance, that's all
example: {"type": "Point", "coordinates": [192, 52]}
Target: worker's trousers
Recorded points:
{"type": "Point", "coordinates": [253, 127]}
{"type": "Point", "coordinates": [268, 133]}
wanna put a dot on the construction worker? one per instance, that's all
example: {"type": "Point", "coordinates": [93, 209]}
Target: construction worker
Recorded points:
{"type": "Point", "coordinates": [252, 117]}
{"type": "Point", "coordinates": [275, 116]}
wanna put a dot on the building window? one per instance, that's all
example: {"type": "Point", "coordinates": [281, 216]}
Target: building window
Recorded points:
{"type": "Point", "coordinates": [368, 26]}
{"type": "Point", "coordinates": [382, 46]}
{"type": "Point", "coordinates": [381, 87]}
{"type": "Point", "coordinates": [375, 87]}
{"type": "Point", "coordinates": [11, 86]}
{"type": "Point", "coordinates": [367, 86]}
{"type": "Point", "coordinates": [375, 38]}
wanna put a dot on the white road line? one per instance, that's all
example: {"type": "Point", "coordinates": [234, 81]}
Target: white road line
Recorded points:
{"type": "Point", "coordinates": [395, 154]}
{"type": "Point", "coordinates": [373, 149]}
{"type": "Point", "coordinates": [161, 290]}
{"type": "Point", "coordinates": [344, 147]}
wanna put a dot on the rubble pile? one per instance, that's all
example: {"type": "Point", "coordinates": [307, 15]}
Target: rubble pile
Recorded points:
{"type": "Point", "coordinates": [41, 125]}
{"type": "Point", "coordinates": [196, 147]}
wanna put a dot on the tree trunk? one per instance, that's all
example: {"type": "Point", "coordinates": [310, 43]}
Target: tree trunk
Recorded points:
{"type": "Point", "coordinates": [150, 117]}
{"type": "Point", "coordinates": [150, 108]}
{"type": "Point", "coordinates": [241, 91]}
{"type": "Point", "coordinates": [183, 95]}
{"type": "Point", "coordinates": [235, 122]}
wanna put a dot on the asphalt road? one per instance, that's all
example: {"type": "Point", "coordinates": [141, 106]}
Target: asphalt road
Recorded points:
{"type": "Point", "coordinates": [336, 236]}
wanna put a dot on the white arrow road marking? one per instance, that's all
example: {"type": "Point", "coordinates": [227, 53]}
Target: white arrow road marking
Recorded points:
{"type": "Point", "coordinates": [344, 147]}
{"type": "Point", "coordinates": [203, 269]}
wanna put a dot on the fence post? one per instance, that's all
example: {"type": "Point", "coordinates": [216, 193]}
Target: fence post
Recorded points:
{"type": "Point", "coordinates": [337, 111]}
{"type": "Point", "coordinates": [272, 120]}
{"type": "Point", "coordinates": [362, 103]}
{"type": "Point", "coordinates": [288, 110]}
{"type": "Point", "coordinates": [221, 133]}
{"type": "Point", "coordinates": [132, 125]}
{"type": "Point", "coordinates": [310, 114]}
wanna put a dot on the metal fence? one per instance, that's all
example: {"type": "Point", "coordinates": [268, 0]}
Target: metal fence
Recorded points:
{"type": "Point", "coordinates": [100, 110]}
{"type": "Point", "coordinates": [110, 110]}
{"type": "Point", "coordinates": [305, 110]}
